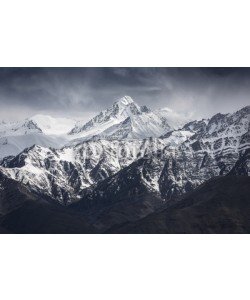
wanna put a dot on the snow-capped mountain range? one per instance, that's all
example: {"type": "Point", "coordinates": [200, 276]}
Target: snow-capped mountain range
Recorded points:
{"type": "Point", "coordinates": [127, 120]}
{"type": "Point", "coordinates": [123, 120]}
{"type": "Point", "coordinates": [125, 152]}
{"type": "Point", "coordinates": [40, 129]}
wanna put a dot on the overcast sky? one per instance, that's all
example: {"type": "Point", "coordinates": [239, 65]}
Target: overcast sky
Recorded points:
{"type": "Point", "coordinates": [83, 92]}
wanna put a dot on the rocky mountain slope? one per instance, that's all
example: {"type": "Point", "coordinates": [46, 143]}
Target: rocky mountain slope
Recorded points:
{"type": "Point", "coordinates": [63, 174]}
{"type": "Point", "coordinates": [91, 176]}
{"type": "Point", "coordinates": [220, 205]}
{"type": "Point", "coordinates": [212, 150]}
{"type": "Point", "coordinates": [209, 149]}
{"type": "Point", "coordinates": [125, 119]}
{"type": "Point", "coordinates": [22, 211]}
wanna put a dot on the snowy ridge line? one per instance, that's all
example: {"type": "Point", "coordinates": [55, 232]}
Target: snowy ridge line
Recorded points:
{"type": "Point", "coordinates": [169, 166]}
{"type": "Point", "coordinates": [125, 119]}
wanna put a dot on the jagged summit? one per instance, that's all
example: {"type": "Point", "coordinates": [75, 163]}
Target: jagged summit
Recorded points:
{"type": "Point", "coordinates": [128, 104]}
{"type": "Point", "coordinates": [124, 119]}
{"type": "Point", "coordinates": [118, 164]}
{"type": "Point", "coordinates": [125, 100]}
{"type": "Point", "coordinates": [125, 107]}
{"type": "Point", "coordinates": [112, 123]}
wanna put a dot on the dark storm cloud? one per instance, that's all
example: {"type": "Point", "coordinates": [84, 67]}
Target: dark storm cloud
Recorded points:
{"type": "Point", "coordinates": [84, 91]}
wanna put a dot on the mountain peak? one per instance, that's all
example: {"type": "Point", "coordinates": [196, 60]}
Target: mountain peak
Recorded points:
{"type": "Point", "coordinates": [124, 107]}
{"type": "Point", "coordinates": [125, 100]}
{"type": "Point", "coordinates": [113, 122]}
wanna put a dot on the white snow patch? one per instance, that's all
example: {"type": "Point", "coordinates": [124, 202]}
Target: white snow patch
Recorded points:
{"type": "Point", "coordinates": [53, 126]}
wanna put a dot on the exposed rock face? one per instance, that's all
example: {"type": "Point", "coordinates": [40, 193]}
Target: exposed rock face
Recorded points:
{"type": "Point", "coordinates": [242, 166]}
{"type": "Point", "coordinates": [114, 180]}
{"type": "Point", "coordinates": [103, 172]}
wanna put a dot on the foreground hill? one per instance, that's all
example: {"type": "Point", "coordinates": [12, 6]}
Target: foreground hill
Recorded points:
{"type": "Point", "coordinates": [24, 212]}
{"type": "Point", "coordinates": [220, 205]}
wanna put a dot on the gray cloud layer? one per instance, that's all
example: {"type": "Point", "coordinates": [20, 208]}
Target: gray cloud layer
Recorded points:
{"type": "Point", "coordinates": [82, 92]}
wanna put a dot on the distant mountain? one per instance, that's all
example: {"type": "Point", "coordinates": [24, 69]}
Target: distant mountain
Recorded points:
{"type": "Point", "coordinates": [18, 128]}
{"type": "Point", "coordinates": [123, 120]}
{"type": "Point", "coordinates": [127, 120]}
{"type": "Point", "coordinates": [12, 145]}
{"type": "Point", "coordinates": [42, 130]}
{"type": "Point", "coordinates": [37, 124]}
{"type": "Point", "coordinates": [201, 150]}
